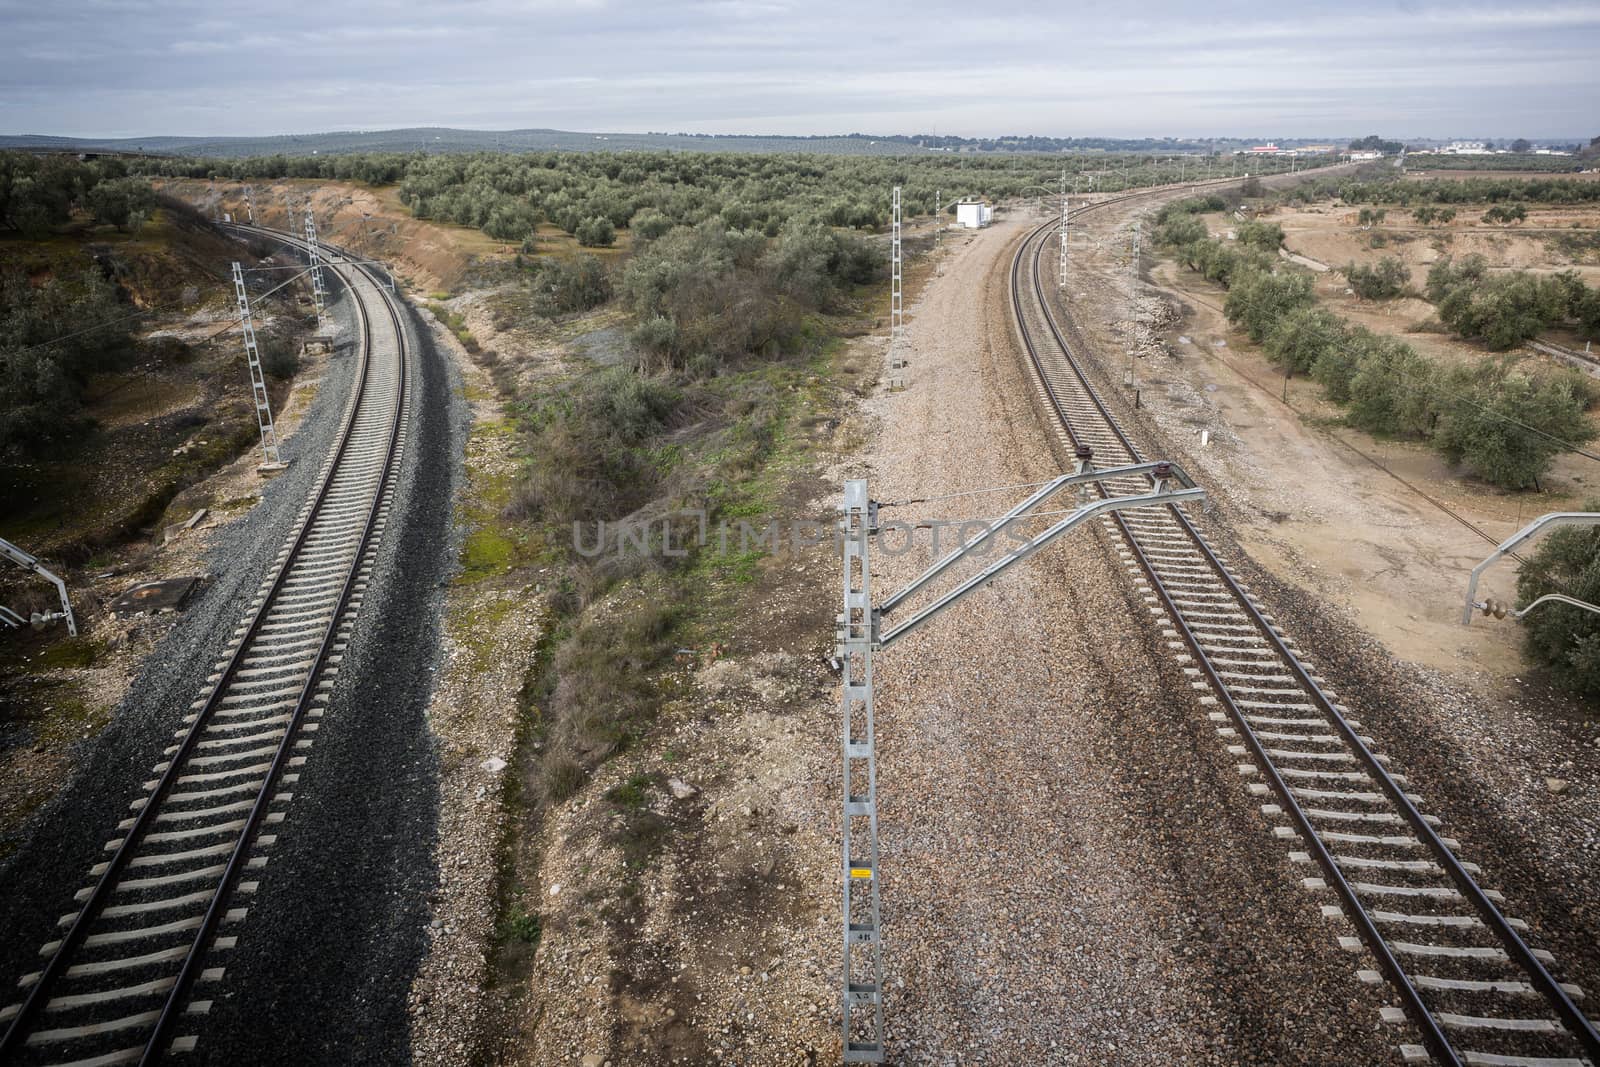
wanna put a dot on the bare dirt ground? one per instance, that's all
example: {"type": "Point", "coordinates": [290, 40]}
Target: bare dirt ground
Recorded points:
{"type": "Point", "coordinates": [1362, 522]}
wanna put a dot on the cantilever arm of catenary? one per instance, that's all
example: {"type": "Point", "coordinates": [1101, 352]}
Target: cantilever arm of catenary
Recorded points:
{"type": "Point", "coordinates": [1050, 487]}
{"type": "Point", "coordinates": [1163, 493]}
{"type": "Point", "coordinates": [1557, 598]}
{"type": "Point", "coordinates": [1555, 518]}
{"type": "Point", "coordinates": [30, 563]}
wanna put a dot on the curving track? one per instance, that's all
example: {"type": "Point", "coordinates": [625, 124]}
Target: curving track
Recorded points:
{"type": "Point", "coordinates": [148, 934]}
{"type": "Point", "coordinates": [1461, 971]}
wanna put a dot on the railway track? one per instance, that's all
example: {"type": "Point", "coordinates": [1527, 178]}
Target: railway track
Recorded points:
{"type": "Point", "coordinates": [1462, 973]}
{"type": "Point", "coordinates": [147, 937]}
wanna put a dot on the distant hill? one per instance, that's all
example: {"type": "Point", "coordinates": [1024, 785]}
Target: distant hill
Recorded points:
{"type": "Point", "coordinates": [444, 139]}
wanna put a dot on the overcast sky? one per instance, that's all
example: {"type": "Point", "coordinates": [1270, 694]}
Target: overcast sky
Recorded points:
{"type": "Point", "coordinates": [1066, 68]}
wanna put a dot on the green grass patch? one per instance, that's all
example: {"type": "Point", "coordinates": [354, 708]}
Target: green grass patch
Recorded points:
{"type": "Point", "coordinates": [67, 653]}
{"type": "Point", "coordinates": [519, 925]}
{"type": "Point", "coordinates": [478, 628]}
{"type": "Point", "coordinates": [496, 544]}
{"type": "Point", "coordinates": [487, 553]}
{"type": "Point", "coordinates": [633, 793]}
{"type": "Point", "coordinates": [456, 324]}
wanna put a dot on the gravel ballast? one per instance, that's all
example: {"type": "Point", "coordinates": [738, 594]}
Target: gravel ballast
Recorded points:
{"type": "Point", "coordinates": [1073, 871]}
{"type": "Point", "coordinates": [332, 936]}
{"type": "Point", "coordinates": [65, 837]}
{"type": "Point", "coordinates": [327, 953]}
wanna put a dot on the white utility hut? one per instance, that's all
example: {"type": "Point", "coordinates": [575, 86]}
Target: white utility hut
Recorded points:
{"type": "Point", "coordinates": [973, 214]}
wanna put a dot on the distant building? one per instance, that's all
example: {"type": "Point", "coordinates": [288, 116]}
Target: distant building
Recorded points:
{"type": "Point", "coordinates": [1357, 157]}
{"type": "Point", "coordinates": [1313, 150]}
{"type": "Point", "coordinates": [1263, 150]}
{"type": "Point", "coordinates": [973, 214]}
{"type": "Point", "coordinates": [1465, 148]}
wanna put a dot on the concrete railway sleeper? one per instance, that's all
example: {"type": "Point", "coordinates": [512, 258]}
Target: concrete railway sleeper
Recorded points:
{"type": "Point", "coordinates": [1464, 976]}
{"type": "Point", "coordinates": [127, 980]}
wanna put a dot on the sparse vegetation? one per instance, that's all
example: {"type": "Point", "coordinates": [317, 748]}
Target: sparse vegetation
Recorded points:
{"type": "Point", "coordinates": [1500, 420]}
{"type": "Point", "coordinates": [585, 457]}
{"type": "Point", "coordinates": [707, 294]}
{"type": "Point", "coordinates": [519, 924]}
{"type": "Point", "coordinates": [604, 694]}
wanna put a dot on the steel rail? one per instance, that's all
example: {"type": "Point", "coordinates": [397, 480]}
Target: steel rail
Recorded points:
{"type": "Point", "coordinates": [1433, 1034]}
{"type": "Point", "coordinates": [155, 1048]}
{"type": "Point", "coordinates": [16, 1032]}
{"type": "Point", "coordinates": [1579, 1025]}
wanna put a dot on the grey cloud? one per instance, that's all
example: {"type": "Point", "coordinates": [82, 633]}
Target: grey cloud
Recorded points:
{"type": "Point", "coordinates": [1092, 67]}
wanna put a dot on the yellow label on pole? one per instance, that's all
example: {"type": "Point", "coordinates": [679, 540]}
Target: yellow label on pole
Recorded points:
{"type": "Point", "coordinates": [861, 872]}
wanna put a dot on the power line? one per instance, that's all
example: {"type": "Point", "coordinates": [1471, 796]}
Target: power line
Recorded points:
{"type": "Point", "coordinates": [1532, 429]}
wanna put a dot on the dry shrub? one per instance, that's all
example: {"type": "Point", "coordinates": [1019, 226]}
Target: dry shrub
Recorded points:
{"type": "Point", "coordinates": [603, 697]}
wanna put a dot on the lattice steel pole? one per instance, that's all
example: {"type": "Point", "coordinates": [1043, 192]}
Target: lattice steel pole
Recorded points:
{"type": "Point", "coordinates": [938, 218]}
{"type": "Point", "coordinates": [861, 1003]}
{"type": "Point", "coordinates": [1133, 271]}
{"type": "Point", "coordinates": [896, 310]}
{"type": "Point", "coordinates": [318, 294]}
{"type": "Point", "coordinates": [1061, 270]}
{"type": "Point", "coordinates": [258, 381]}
